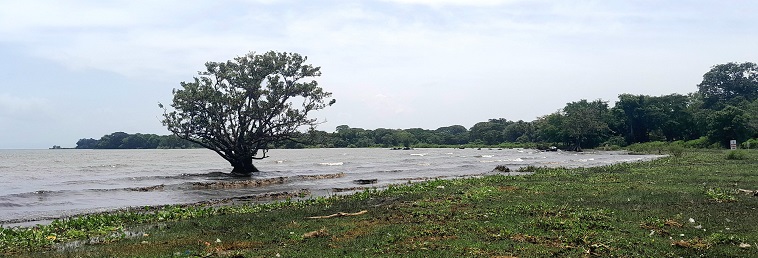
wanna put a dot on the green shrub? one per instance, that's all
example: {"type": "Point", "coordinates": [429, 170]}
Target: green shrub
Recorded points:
{"type": "Point", "coordinates": [699, 143]}
{"type": "Point", "coordinates": [750, 144]}
{"type": "Point", "coordinates": [615, 141]}
{"type": "Point", "coordinates": [609, 148]}
{"type": "Point", "coordinates": [676, 150]}
{"type": "Point", "coordinates": [736, 155]}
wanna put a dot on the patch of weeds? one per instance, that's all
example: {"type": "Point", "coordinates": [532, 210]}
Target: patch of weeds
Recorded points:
{"type": "Point", "coordinates": [660, 226]}
{"type": "Point", "coordinates": [481, 192]}
{"type": "Point", "coordinates": [721, 195]}
{"type": "Point", "coordinates": [574, 220]}
{"type": "Point", "coordinates": [358, 229]}
{"type": "Point", "coordinates": [529, 168]}
{"type": "Point", "coordinates": [508, 188]}
{"type": "Point", "coordinates": [695, 243]}
{"type": "Point", "coordinates": [722, 239]}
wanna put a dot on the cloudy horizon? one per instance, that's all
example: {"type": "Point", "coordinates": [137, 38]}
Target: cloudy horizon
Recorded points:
{"type": "Point", "coordinates": [83, 69]}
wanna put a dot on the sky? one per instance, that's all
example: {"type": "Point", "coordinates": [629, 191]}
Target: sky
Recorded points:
{"type": "Point", "coordinates": [85, 68]}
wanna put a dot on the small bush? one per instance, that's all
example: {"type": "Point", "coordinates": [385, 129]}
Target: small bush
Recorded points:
{"type": "Point", "coordinates": [676, 150]}
{"type": "Point", "coordinates": [736, 155]}
{"type": "Point", "coordinates": [615, 141]}
{"type": "Point", "coordinates": [750, 144]}
{"type": "Point", "coordinates": [700, 143]}
{"type": "Point", "coordinates": [609, 148]}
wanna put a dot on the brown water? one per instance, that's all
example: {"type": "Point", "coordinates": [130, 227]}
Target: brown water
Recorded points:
{"type": "Point", "coordinates": [44, 184]}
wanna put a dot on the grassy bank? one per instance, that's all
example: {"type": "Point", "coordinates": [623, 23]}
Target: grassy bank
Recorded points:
{"type": "Point", "coordinates": [687, 205]}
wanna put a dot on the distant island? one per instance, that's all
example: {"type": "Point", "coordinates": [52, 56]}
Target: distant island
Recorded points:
{"type": "Point", "coordinates": [122, 140]}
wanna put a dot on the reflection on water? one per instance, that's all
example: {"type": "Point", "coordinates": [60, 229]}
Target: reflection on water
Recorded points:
{"type": "Point", "coordinates": [38, 184]}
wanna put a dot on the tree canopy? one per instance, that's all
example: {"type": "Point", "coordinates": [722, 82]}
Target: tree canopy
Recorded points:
{"type": "Point", "coordinates": [238, 107]}
{"type": "Point", "coordinates": [728, 84]}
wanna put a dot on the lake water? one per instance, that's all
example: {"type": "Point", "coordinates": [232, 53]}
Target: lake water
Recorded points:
{"type": "Point", "coordinates": [44, 184]}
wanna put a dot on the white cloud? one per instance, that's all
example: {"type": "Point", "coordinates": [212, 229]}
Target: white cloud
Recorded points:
{"type": "Point", "coordinates": [391, 63]}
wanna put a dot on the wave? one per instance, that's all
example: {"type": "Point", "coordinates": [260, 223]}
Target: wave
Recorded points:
{"type": "Point", "coordinates": [231, 184]}
{"type": "Point", "coordinates": [10, 204]}
{"type": "Point", "coordinates": [104, 167]}
{"type": "Point", "coordinates": [332, 163]}
{"type": "Point", "coordinates": [183, 176]}
{"type": "Point", "coordinates": [390, 171]}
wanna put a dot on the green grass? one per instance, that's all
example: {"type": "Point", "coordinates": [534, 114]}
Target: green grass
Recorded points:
{"type": "Point", "coordinates": [682, 206]}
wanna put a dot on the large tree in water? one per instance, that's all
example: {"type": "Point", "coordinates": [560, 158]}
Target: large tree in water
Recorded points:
{"type": "Point", "coordinates": [236, 108]}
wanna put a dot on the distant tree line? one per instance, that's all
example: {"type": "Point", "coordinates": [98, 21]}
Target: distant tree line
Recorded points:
{"type": "Point", "coordinates": [724, 108]}
{"type": "Point", "coordinates": [122, 140]}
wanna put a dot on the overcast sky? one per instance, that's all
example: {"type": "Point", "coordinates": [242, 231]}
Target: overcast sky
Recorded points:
{"type": "Point", "coordinates": [81, 69]}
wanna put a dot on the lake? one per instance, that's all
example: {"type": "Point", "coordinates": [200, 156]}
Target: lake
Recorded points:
{"type": "Point", "coordinates": [45, 184]}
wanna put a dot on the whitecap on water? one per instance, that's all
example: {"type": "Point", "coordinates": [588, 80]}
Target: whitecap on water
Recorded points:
{"type": "Point", "coordinates": [332, 163]}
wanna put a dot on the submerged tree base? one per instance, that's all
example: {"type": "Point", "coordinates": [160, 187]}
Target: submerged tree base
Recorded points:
{"type": "Point", "coordinates": [244, 170]}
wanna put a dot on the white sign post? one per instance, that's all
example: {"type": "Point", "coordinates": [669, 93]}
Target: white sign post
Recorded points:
{"type": "Point", "coordinates": [733, 144]}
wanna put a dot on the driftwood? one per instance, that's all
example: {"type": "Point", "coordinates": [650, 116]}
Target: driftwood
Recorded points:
{"type": "Point", "coordinates": [340, 214]}
{"type": "Point", "coordinates": [753, 192]}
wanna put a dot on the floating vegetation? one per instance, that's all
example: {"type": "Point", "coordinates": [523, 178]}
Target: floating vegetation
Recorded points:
{"type": "Point", "coordinates": [146, 189]}
{"type": "Point", "coordinates": [366, 181]}
{"type": "Point", "coordinates": [502, 168]}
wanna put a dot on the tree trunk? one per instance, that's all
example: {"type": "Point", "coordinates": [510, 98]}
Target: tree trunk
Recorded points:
{"type": "Point", "coordinates": [243, 167]}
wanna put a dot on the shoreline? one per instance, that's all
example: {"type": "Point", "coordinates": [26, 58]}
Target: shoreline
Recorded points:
{"type": "Point", "coordinates": [347, 185]}
{"type": "Point", "coordinates": [249, 199]}
{"type": "Point", "coordinates": [648, 209]}
{"type": "Point", "coordinates": [255, 199]}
